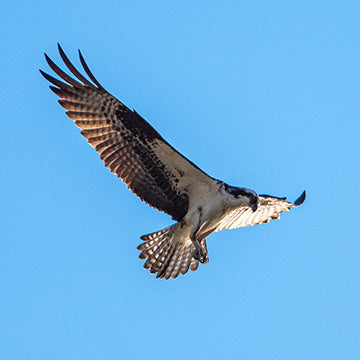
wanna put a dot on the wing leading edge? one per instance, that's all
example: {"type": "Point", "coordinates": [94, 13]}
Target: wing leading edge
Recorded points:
{"type": "Point", "coordinates": [129, 146]}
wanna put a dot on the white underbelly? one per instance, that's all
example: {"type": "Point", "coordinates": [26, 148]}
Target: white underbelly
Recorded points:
{"type": "Point", "coordinates": [205, 209]}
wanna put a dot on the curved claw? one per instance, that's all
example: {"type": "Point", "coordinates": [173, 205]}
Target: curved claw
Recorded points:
{"type": "Point", "coordinates": [200, 254]}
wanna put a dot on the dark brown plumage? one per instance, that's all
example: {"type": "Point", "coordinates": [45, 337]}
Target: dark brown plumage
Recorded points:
{"type": "Point", "coordinates": [133, 150]}
{"type": "Point", "coordinates": [120, 135]}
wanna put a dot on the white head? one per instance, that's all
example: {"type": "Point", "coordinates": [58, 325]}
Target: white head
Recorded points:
{"type": "Point", "coordinates": [249, 197]}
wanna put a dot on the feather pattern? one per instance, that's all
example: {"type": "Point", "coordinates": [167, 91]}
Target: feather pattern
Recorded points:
{"type": "Point", "coordinates": [133, 150]}
{"type": "Point", "coordinates": [169, 256]}
{"type": "Point", "coordinates": [269, 207]}
{"type": "Point", "coordinates": [130, 147]}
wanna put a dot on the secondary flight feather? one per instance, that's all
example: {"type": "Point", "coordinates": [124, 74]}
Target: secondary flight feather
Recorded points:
{"type": "Point", "coordinates": [159, 175]}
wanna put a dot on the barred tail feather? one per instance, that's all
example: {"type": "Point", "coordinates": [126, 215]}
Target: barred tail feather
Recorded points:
{"type": "Point", "coordinates": [168, 255]}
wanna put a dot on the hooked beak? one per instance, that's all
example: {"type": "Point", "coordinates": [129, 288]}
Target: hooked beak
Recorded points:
{"type": "Point", "coordinates": [254, 207]}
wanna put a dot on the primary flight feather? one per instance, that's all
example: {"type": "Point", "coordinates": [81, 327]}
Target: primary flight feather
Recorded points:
{"type": "Point", "coordinates": [150, 167]}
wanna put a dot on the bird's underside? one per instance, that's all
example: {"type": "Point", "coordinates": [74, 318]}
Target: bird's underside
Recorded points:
{"type": "Point", "coordinates": [150, 167]}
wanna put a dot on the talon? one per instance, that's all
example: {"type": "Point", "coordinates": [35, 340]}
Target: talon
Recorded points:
{"type": "Point", "coordinates": [196, 255]}
{"type": "Point", "coordinates": [199, 254]}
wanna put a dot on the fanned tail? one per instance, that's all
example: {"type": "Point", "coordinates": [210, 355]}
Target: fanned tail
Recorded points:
{"type": "Point", "coordinates": [168, 255]}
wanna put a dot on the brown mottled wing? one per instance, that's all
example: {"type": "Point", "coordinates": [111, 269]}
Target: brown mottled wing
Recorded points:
{"type": "Point", "coordinates": [128, 145]}
{"type": "Point", "coordinates": [268, 208]}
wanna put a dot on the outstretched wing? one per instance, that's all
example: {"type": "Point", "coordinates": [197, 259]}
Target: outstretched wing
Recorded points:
{"type": "Point", "coordinates": [130, 147]}
{"type": "Point", "coordinates": [269, 207]}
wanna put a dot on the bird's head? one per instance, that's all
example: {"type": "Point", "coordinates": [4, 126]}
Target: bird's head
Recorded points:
{"type": "Point", "coordinates": [253, 198]}
{"type": "Point", "coordinates": [249, 197]}
{"type": "Point", "coordinates": [254, 201]}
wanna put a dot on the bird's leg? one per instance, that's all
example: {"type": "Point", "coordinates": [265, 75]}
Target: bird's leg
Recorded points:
{"type": "Point", "coordinates": [199, 253]}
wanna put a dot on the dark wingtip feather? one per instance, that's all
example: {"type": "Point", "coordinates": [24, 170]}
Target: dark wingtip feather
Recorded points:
{"type": "Point", "coordinates": [87, 70]}
{"type": "Point", "coordinates": [46, 75]}
{"type": "Point", "coordinates": [48, 60]}
{"type": "Point", "coordinates": [61, 73]}
{"type": "Point", "coordinates": [72, 68]}
{"type": "Point", "coordinates": [43, 73]}
{"type": "Point", "coordinates": [300, 199]}
{"type": "Point", "coordinates": [49, 77]}
{"type": "Point", "coordinates": [271, 196]}
{"type": "Point", "coordinates": [54, 81]}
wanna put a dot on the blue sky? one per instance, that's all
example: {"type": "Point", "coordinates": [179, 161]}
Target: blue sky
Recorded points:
{"type": "Point", "coordinates": [263, 95]}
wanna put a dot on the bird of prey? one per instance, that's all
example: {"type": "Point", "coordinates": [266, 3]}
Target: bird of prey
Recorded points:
{"type": "Point", "coordinates": [159, 175]}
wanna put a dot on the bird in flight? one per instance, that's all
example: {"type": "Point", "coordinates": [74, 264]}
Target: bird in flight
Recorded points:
{"type": "Point", "coordinates": [159, 175]}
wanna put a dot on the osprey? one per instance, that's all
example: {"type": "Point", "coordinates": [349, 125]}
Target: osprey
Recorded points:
{"type": "Point", "coordinates": [133, 150]}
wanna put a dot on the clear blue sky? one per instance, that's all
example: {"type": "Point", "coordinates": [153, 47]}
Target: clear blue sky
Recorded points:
{"type": "Point", "coordinates": [263, 95]}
